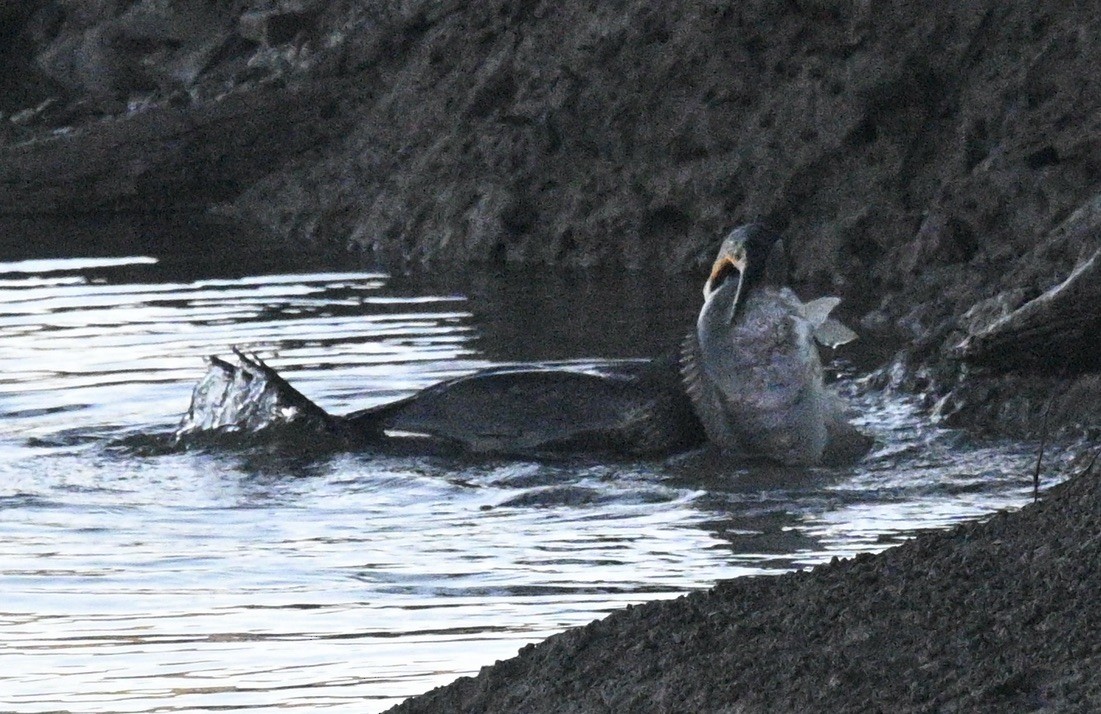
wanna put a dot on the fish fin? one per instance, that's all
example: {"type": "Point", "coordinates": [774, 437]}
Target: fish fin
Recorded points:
{"type": "Point", "coordinates": [817, 311]}
{"type": "Point", "coordinates": [690, 365]}
{"type": "Point", "coordinates": [697, 385]}
{"type": "Point", "coordinates": [832, 333]}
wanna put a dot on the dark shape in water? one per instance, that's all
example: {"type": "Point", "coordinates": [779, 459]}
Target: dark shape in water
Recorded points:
{"type": "Point", "coordinates": [625, 407]}
{"type": "Point", "coordinates": [749, 380]}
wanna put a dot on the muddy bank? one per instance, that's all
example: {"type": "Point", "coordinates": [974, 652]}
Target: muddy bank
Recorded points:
{"type": "Point", "coordinates": [992, 616]}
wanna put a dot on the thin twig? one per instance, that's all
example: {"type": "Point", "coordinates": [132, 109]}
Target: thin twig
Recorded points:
{"type": "Point", "coordinates": [1040, 456]}
{"type": "Point", "coordinates": [1043, 432]}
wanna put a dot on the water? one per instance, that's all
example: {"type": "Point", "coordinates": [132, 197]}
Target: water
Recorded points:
{"type": "Point", "coordinates": [137, 578]}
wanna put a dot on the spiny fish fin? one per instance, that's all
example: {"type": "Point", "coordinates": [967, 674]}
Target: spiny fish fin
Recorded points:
{"type": "Point", "coordinates": [690, 364]}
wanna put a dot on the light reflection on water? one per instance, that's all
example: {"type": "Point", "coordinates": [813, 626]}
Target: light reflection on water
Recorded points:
{"type": "Point", "coordinates": [140, 580]}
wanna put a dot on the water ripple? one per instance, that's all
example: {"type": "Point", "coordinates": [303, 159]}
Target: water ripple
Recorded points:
{"type": "Point", "coordinates": [137, 578]}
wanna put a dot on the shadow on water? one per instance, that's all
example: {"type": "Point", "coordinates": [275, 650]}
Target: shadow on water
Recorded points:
{"type": "Point", "coordinates": [282, 571]}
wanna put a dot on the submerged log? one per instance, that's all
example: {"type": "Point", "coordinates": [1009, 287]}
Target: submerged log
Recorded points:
{"type": "Point", "coordinates": [169, 157]}
{"type": "Point", "coordinates": [1058, 331]}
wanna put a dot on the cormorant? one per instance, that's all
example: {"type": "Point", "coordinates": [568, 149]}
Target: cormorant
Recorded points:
{"type": "Point", "coordinates": [749, 380]}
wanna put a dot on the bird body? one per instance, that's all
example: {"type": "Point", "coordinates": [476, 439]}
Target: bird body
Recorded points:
{"type": "Point", "coordinates": [625, 407]}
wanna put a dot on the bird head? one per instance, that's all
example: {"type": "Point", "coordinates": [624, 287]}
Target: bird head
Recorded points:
{"type": "Point", "coordinates": [748, 256]}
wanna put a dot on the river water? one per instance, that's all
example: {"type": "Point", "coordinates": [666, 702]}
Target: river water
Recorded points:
{"type": "Point", "coordinates": [140, 578]}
